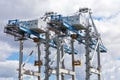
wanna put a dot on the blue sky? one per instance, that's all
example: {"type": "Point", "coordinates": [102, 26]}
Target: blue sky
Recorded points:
{"type": "Point", "coordinates": [106, 16]}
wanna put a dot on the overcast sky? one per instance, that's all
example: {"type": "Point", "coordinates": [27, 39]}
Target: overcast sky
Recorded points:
{"type": "Point", "coordinates": [106, 12]}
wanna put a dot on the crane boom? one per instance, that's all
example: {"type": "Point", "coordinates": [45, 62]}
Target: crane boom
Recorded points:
{"type": "Point", "coordinates": [22, 29]}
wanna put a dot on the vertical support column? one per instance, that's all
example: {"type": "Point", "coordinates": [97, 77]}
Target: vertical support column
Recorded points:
{"type": "Point", "coordinates": [39, 54]}
{"type": "Point", "coordinates": [87, 44]}
{"type": "Point", "coordinates": [47, 60]}
{"type": "Point", "coordinates": [73, 67]}
{"type": "Point", "coordinates": [63, 66]}
{"type": "Point", "coordinates": [21, 60]}
{"type": "Point", "coordinates": [99, 63]}
{"type": "Point", "coordinates": [58, 58]}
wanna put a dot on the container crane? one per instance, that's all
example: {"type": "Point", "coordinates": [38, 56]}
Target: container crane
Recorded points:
{"type": "Point", "coordinates": [79, 27]}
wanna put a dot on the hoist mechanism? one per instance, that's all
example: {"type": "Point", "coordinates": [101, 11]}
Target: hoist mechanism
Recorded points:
{"type": "Point", "coordinates": [36, 40]}
{"type": "Point", "coordinates": [76, 63]}
{"type": "Point", "coordinates": [38, 63]}
{"type": "Point", "coordinates": [73, 36]}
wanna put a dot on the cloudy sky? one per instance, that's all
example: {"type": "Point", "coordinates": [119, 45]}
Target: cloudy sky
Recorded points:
{"type": "Point", "coordinates": [105, 12]}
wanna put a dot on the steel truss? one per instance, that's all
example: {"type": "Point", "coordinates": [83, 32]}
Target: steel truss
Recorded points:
{"type": "Point", "coordinates": [62, 27]}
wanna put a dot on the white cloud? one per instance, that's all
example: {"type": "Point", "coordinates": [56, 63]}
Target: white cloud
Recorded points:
{"type": "Point", "coordinates": [110, 67]}
{"type": "Point", "coordinates": [6, 50]}
{"type": "Point", "coordinates": [109, 29]}
{"type": "Point", "coordinates": [8, 70]}
{"type": "Point", "coordinates": [106, 8]}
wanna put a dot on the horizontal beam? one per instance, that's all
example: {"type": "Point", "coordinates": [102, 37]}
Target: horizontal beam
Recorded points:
{"type": "Point", "coordinates": [95, 71]}
{"type": "Point", "coordinates": [63, 71]}
{"type": "Point", "coordinates": [29, 72]}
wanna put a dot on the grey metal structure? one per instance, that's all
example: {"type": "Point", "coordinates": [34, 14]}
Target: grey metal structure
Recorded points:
{"type": "Point", "coordinates": [60, 69]}
{"type": "Point", "coordinates": [39, 55]}
{"type": "Point", "coordinates": [73, 67]}
{"type": "Point", "coordinates": [21, 60]}
{"type": "Point", "coordinates": [77, 27]}
{"type": "Point", "coordinates": [47, 59]}
{"type": "Point", "coordinates": [58, 58]}
{"type": "Point", "coordinates": [88, 50]}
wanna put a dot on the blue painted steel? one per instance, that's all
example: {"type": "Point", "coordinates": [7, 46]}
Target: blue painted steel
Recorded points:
{"type": "Point", "coordinates": [102, 48]}
{"type": "Point", "coordinates": [12, 22]}
{"type": "Point", "coordinates": [68, 26]}
{"type": "Point", "coordinates": [28, 31]}
{"type": "Point", "coordinates": [71, 28]}
{"type": "Point", "coordinates": [56, 17]}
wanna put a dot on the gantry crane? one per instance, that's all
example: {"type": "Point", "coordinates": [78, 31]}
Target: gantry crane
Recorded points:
{"type": "Point", "coordinates": [79, 27]}
{"type": "Point", "coordinates": [90, 37]}
{"type": "Point", "coordinates": [21, 31]}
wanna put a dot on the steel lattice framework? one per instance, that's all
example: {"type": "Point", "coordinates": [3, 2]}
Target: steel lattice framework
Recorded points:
{"type": "Point", "coordinates": [78, 27]}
